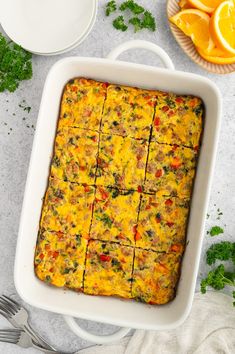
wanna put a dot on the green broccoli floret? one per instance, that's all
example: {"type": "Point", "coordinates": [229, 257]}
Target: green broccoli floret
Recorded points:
{"type": "Point", "coordinates": [136, 22]}
{"type": "Point", "coordinates": [15, 65]}
{"type": "Point", "coordinates": [132, 6]}
{"type": "Point", "coordinates": [218, 279]}
{"type": "Point", "coordinates": [222, 251]}
{"type": "Point", "coordinates": [119, 24]}
{"type": "Point", "coordinates": [110, 7]}
{"type": "Point", "coordinates": [149, 21]}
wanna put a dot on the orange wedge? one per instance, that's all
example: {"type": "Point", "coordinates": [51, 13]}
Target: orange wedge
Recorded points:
{"type": "Point", "coordinates": [195, 24]}
{"type": "Point", "coordinates": [223, 26]}
{"type": "Point", "coordinates": [205, 5]}
{"type": "Point", "coordinates": [184, 4]}
{"type": "Point", "coordinates": [217, 56]}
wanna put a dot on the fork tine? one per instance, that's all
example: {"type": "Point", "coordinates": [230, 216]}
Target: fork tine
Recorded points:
{"type": "Point", "coordinates": [12, 341]}
{"type": "Point", "coordinates": [5, 307]}
{"type": "Point", "coordinates": [13, 303]}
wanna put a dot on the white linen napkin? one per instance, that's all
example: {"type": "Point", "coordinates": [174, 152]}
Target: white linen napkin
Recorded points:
{"type": "Point", "coordinates": [209, 329]}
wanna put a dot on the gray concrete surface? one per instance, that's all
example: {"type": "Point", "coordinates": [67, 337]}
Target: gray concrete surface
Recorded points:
{"type": "Point", "coordinates": [16, 137]}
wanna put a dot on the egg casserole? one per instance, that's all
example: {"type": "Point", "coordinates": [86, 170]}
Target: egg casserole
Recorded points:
{"type": "Point", "coordinates": [115, 212]}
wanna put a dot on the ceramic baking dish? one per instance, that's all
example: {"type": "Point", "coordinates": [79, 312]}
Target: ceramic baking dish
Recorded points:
{"type": "Point", "coordinates": [125, 313]}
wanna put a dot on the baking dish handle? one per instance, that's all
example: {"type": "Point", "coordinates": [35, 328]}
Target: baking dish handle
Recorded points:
{"type": "Point", "coordinates": [98, 339]}
{"type": "Point", "coordinates": [167, 62]}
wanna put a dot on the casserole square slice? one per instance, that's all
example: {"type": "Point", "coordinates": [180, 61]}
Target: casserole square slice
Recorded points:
{"type": "Point", "coordinates": [75, 155]}
{"type": "Point", "coordinates": [178, 120]}
{"type": "Point", "coordinates": [162, 223]}
{"type": "Point", "coordinates": [67, 208]}
{"type": "Point", "coordinates": [82, 104]}
{"type": "Point", "coordinates": [121, 162]}
{"type": "Point", "coordinates": [128, 111]}
{"type": "Point", "coordinates": [108, 269]}
{"type": "Point", "coordinates": [170, 170]}
{"type": "Point", "coordinates": [115, 215]}
{"type": "Point", "coordinates": [60, 259]}
{"type": "Point", "coordinates": [155, 276]}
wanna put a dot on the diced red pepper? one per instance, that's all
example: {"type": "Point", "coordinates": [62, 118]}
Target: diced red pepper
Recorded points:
{"type": "Point", "coordinates": [41, 256]}
{"type": "Point", "coordinates": [175, 248]}
{"type": "Point", "coordinates": [105, 84]}
{"type": "Point", "coordinates": [74, 88]}
{"type": "Point", "coordinates": [150, 103]}
{"type": "Point", "coordinates": [105, 258]}
{"type": "Point", "coordinates": [47, 247]}
{"type": "Point", "coordinates": [82, 168]}
{"type": "Point", "coordinates": [158, 173]}
{"type": "Point", "coordinates": [148, 206]}
{"type": "Point", "coordinates": [157, 122]}
{"type": "Point", "coordinates": [165, 108]}
{"type": "Point", "coordinates": [94, 138]}
{"type": "Point", "coordinates": [137, 236]}
{"type": "Point", "coordinates": [169, 202]}
{"type": "Point", "coordinates": [55, 254]}
{"type": "Point", "coordinates": [196, 148]}
{"type": "Point", "coordinates": [170, 224]}
{"type": "Point", "coordinates": [104, 195]}
{"type": "Point", "coordinates": [139, 189]}
{"type": "Point", "coordinates": [179, 100]}
{"type": "Point", "coordinates": [87, 189]}
{"type": "Point", "coordinates": [176, 163]}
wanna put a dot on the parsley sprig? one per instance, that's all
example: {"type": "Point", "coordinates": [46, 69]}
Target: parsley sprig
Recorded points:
{"type": "Point", "coordinates": [15, 65]}
{"type": "Point", "coordinates": [143, 18]}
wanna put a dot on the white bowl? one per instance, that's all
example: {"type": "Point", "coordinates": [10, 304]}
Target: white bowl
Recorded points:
{"type": "Point", "coordinates": [48, 27]}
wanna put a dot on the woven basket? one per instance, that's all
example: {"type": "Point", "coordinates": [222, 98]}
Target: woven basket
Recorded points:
{"type": "Point", "coordinates": [189, 48]}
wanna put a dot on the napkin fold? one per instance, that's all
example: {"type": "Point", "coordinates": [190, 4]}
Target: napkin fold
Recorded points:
{"type": "Point", "coordinates": [209, 329]}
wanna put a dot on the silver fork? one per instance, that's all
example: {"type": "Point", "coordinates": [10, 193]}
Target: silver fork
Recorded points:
{"type": "Point", "coordinates": [18, 317]}
{"type": "Point", "coordinates": [22, 339]}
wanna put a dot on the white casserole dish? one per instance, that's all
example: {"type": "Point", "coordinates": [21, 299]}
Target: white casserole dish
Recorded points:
{"type": "Point", "coordinates": [104, 309]}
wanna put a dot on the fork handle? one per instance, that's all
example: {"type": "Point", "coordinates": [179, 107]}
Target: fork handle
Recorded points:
{"type": "Point", "coordinates": [48, 351]}
{"type": "Point", "coordinates": [36, 337]}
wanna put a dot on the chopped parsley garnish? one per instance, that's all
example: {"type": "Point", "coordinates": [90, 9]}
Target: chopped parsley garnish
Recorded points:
{"type": "Point", "coordinates": [132, 6]}
{"type": "Point", "coordinates": [110, 7]}
{"type": "Point", "coordinates": [143, 19]}
{"type": "Point", "coordinates": [148, 21]}
{"type": "Point", "coordinates": [105, 219]}
{"type": "Point", "coordinates": [218, 279]}
{"type": "Point", "coordinates": [15, 65]}
{"type": "Point", "coordinates": [222, 251]}
{"type": "Point", "coordinates": [119, 24]}
{"type": "Point", "coordinates": [216, 230]}
{"type": "Point", "coordinates": [136, 22]}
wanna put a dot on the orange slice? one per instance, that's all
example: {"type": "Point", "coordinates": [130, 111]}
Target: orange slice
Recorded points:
{"type": "Point", "coordinates": [195, 24]}
{"type": "Point", "coordinates": [217, 56]}
{"type": "Point", "coordinates": [205, 5]}
{"type": "Point", "coordinates": [184, 4]}
{"type": "Point", "coordinates": [223, 26]}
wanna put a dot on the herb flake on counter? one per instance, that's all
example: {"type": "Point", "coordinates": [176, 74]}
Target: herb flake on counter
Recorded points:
{"type": "Point", "coordinates": [15, 65]}
{"type": "Point", "coordinates": [216, 230]}
{"type": "Point", "coordinates": [119, 24]}
{"type": "Point", "coordinates": [132, 6]}
{"type": "Point", "coordinates": [110, 7]}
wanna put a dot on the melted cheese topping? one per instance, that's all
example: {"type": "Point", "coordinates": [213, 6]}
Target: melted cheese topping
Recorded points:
{"type": "Point", "coordinates": [121, 162]}
{"type": "Point", "coordinates": [155, 276]}
{"type": "Point", "coordinates": [120, 183]}
{"type": "Point", "coordinates": [108, 269]}
{"type": "Point", "coordinates": [60, 258]}
{"type": "Point", "coordinates": [178, 120]}
{"type": "Point", "coordinates": [162, 223]}
{"type": "Point", "coordinates": [128, 111]}
{"type": "Point", "coordinates": [82, 104]}
{"type": "Point", "coordinates": [75, 155]}
{"type": "Point", "coordinates": [170, 170]}
{"type": "Point", "coordinates": [67, 208]}
{"type": "Point", "coordinates": [115, 215]}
